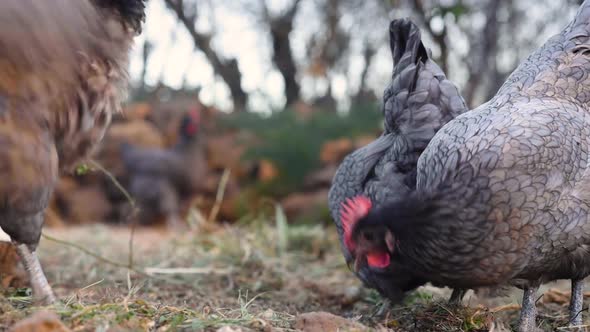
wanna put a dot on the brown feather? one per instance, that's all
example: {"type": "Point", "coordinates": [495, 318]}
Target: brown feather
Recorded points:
{"type": "Point", "coordinates": [68, 58]}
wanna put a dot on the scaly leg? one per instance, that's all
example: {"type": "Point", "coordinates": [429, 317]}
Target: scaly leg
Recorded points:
{"type": "Point", "coordinates": [42, 292]}
{"type": "Point", "coordinates": [383, 308]}
{"type": "Point", "coordinates": [576, 302]}
{"type": "Point", "coordinates": [528, 312]}
{"type": "Point", "coordinates": [457, 296]}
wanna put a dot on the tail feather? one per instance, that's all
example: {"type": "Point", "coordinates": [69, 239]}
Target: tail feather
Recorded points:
{"type": "Point", "coordinates": [419, 99]}
{"type": "Point", "coordinates": [416, 104]}
{"type": "Point", "coordinates": [405, 42]}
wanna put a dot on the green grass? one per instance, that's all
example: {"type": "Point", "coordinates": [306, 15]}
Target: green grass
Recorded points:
{"type": "Point", "coordinates": [255, 276]}
{"type": "Point", "coordinates": [254, 269]}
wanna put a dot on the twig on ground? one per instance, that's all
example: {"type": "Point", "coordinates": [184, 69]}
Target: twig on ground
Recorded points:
{"type": "Point", "coordinates": [90, 253]}
{"type": "Point", "coordinates": [131, 237]}
{"type": "Point", "coordinates": [573, 327]}
{"type": "Point", "coordinates": [219, 196]}
{"type": "Point", "coordinates": [506, 307]}
{"type": "Point", "coordinates": [110, 175]}
{"type": "Point", "coordinates": [134, 208]}
{"type": "Point", "coordinates": [78, 291]}
{"type": "Point", "coordinates": [186, 270]}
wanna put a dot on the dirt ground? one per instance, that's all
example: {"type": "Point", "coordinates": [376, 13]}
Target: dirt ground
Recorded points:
{"type": "Point", "coordinates": [240, 278]}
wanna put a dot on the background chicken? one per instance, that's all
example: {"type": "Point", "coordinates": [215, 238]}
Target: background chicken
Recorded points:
{"type": "Point", "coordinates": [502, 191]}
{"type": "Point", "coordinates": [62, 75]}
{"type": "Point", "coordinates": [416, 104]}
{"type": "Point", "coordinates": [159, 179]}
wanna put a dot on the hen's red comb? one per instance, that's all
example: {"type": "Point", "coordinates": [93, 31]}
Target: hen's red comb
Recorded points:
{"type": "Point", "coordinates": [351, 211]}
{"type": "Point", "coordinates": [195, 115]}
{"type": "Point", "coordinates": [195, 119]}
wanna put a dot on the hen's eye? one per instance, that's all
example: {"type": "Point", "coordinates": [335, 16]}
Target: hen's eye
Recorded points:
{"type": "Point", "coordinates": [368, 236]}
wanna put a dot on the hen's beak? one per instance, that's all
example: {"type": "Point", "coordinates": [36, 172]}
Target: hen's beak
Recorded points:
{"type": "Point", "coordinates": [354, 265]}
{"type": "Point", "coordinates": [358, 263]}
{"type": "Point", "coordinates": [351, 264]}
{"type": "Point", "coordinates": [390, 241]}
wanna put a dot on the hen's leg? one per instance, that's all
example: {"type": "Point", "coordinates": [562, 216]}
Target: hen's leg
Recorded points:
{"type": "Point", "coordinates": [174, 222]}
{"type": "Point", "coordinates": [170, 205]}
{"type": "Point", "coordinates": [457, 296]}
{"type": "Point", "coordinates": [576, 302]}
{"type": "Point", "coordinates": [383, 308]}
{"type": "Point", "coordinates": [528, 312]}
{"type": "Point", "coordinates": [42, 292]}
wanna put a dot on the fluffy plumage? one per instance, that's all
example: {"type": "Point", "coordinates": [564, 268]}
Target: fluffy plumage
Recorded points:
{"type": "Point", "coordinates": [62, 74]}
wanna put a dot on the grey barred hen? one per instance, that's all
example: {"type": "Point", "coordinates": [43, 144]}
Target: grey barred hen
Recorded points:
{"type": "Point", "coordinates": [502, 194]}
{"type": "Point", "coordinates": [416, 104]}
{"type": "Point", "coordinates": [62, 74]}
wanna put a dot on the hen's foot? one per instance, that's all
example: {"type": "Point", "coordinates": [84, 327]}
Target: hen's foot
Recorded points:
{"type": "Point", "coordinates": [528, 312]}
{"type": "Point", "coordinates": [576, 302]}
{"type": "Point", "coordinates": [42, 292]}
{"type": "Point", "coordinates": [457, 296]}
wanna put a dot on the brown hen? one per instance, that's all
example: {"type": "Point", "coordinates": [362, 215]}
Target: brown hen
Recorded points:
{"type": "Point", "coordinates": [62, 75]}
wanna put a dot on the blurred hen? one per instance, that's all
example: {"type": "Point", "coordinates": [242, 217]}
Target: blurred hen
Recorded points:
{"type": "Point", "coordinates": [159, 179]}
{"type": "Point", "coordinates": [62, 75]}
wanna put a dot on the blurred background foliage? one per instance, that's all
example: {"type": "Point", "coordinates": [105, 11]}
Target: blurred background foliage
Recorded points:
{"type": "Point", "coordinates": [293, 144]}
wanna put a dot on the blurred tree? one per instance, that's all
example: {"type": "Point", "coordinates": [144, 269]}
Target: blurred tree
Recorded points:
{"type": "Point", "coordinates": [484, 49]}
{"type": "Point", "coordinates": [335, 52]}
{"type": "Point", "coordinates": [364, 94]}
{"type": "Point", "coordinates": [227, 69]}
{"type": "Point", "coordinates": [146, 50]}
{"type": "Point", "coordinates": [280, 28]}
{"type": "Point", "coordinates": [478, 43]}
{"type": "Point", "coordinates": [326, 50]}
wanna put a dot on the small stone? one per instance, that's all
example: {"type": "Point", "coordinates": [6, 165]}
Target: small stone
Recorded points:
{"type": "Point", "coordinates": [326, 322]}
{"type": "Point", "coordinates": [228, 329]}
{"type": "Point", "coordinates": [268, 314]}
{"type": "Point", "coordinates": [41, 321]}
{"type": "Point", "coordinates": [351, 295]}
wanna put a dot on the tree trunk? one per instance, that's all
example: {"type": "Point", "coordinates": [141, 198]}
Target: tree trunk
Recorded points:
{"type": "Point", "coordinates": [282, 57]}
{"type": "Point", "coordinates": [228, 70]}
